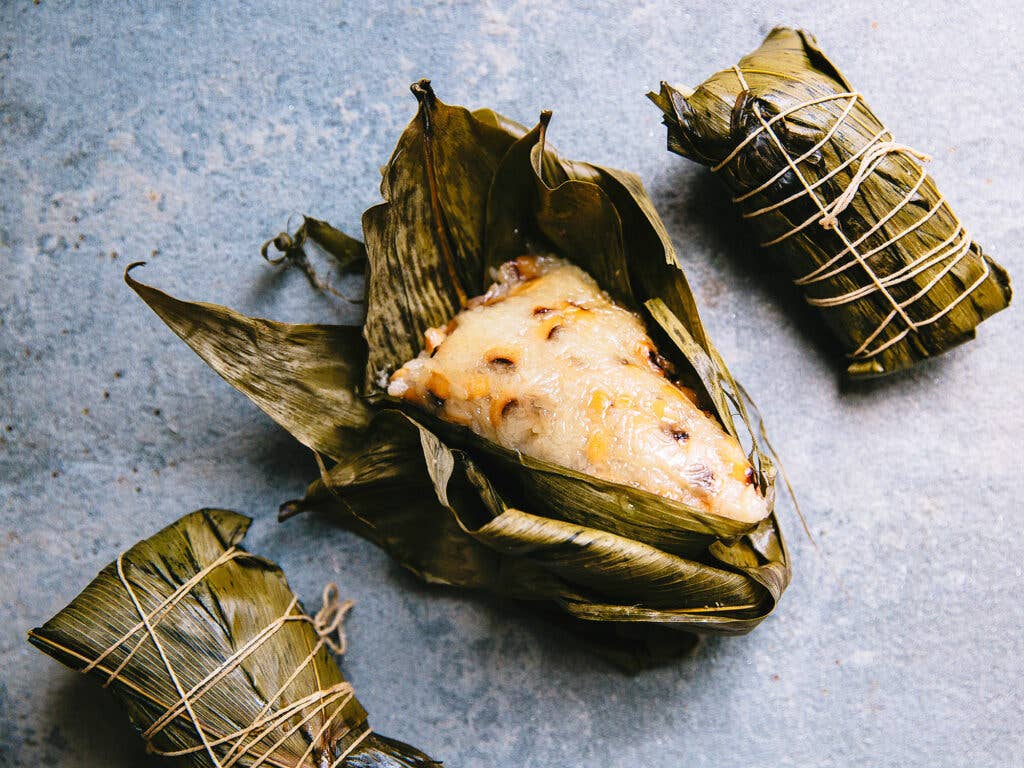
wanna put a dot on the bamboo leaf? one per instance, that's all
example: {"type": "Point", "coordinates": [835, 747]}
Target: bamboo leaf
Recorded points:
{"type": "Point", "coordinates": [541, 204]}
{"type": "Point", "coordinates": [425, 242]}
{"type": "Point", "coordinates": [305, 377]}
{"type": "Point", "coordinates": [590, 565]}
{"type": "Point", "coordinates": [507, 128]}
{"type": "Point", "coordinates": [348, 252]}
{"type": "Point", "coordinates": [577, 497]}
{"type": "Point", "coordinates": [446, 499]}
{"type": "Point", "coordinates": [380, 488]}
{"type": "Point", "coordinates": [464, 192]}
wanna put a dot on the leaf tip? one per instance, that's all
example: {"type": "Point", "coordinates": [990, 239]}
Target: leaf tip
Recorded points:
{"type": "Point", "coordinates": [128, 270]}
{"type": "Point", "coordinates": [542, 128]}
{"type": "Point", "coordinates": [289, 509]}
{"type": "Point", "coordinates": [424, 94]}
{"type": "Point", "coordinates": [422, 90]}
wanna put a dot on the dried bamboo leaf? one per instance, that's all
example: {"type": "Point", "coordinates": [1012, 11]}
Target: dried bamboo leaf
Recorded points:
{"type": "Point", "coordinates": [213, 658]}
{"type": "Point", "coordinates": [501, 122]}
{"type": "Point", "coordinates": [380, 489]}
{"type": "Point", "coordinates": [464, 192]}
{"type": "Point", "coordinates": [848, 211]}
{"type": "Point", "coordinates": [577, 497]}
{"type": "Point", "coordinates": [349, 253]}
{"type": "Point", "coordinates": [425, 242]}
{"type": "Point", "coordinates": [305, 377]}
{"type": "Point", "coordinates": [591, 560]}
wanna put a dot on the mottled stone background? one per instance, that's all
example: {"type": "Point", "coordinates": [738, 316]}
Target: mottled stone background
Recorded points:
{"type": "Point", "coordinates": [186, 132]}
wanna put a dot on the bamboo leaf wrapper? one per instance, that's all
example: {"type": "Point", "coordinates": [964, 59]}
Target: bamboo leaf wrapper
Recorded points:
{"type": "Point", "coordinates": [847, 210]}
{"type": "Point", "coordinates": [213, 657]}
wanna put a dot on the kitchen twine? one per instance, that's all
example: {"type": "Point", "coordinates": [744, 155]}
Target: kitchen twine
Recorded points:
{"type": "Point", "coordinates": [328, 626]}
{"type": "Point", "coordinates": [954, 248]}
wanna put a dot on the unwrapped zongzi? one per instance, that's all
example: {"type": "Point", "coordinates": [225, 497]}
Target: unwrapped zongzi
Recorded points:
{"type": "Point", "coordinates": [849, 210]}
{"type": "Point", "coordinates": [213, 657]}
{"type": "Point", "coordinates": [631, 550]}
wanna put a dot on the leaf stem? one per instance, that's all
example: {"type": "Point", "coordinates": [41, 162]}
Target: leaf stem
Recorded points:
{"type": "Point", "coordinates": [542, 134]}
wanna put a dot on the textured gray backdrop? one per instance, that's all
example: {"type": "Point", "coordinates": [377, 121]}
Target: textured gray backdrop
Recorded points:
{"type": "Point", "coordinates": [185, 133]}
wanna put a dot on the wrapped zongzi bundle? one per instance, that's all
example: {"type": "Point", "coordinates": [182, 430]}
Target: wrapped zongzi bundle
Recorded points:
{"type": "Point", "coordinates": [213, 657]}
{"type": "Point", "coordinates": [532, 406]}
{"type": "Point", "coordinates": [850, 212]}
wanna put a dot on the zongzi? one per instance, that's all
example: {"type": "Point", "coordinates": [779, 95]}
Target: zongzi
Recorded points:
{"type": "Point", "coordinates": [213, 657]}
{"type": "Point", "coordinates": [651, 529]}
{"type": "Point", "coordinates": [850, 211]}
{"type": "Point", "coordinates": [546, 363]}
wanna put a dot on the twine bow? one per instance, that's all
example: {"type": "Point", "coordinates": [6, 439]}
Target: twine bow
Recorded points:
{"type": "Point", "coordinates": [330, 619]}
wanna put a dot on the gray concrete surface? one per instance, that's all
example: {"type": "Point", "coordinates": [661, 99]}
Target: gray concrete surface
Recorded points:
{"type": "Point", "coordinates": [185, 133]}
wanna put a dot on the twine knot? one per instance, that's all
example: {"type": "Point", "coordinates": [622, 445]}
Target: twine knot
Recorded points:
{"type": "Point", "coordinates": [868, 163]}
{"type": "Point", "coordinates": [329, 620]}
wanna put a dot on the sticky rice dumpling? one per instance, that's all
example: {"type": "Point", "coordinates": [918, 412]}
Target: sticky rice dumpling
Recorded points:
{"type": "Point", "coordinates": [215, 660]}
{"type": "Point", "coordinates": [849, 211]}
{"type": "Point", "coordinates": [530, 404]}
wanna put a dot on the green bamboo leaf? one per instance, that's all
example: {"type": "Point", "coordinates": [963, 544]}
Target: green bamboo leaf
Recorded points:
{"type": "Point", "coordinates": [579, 219]}
{"type": "Point", "coordinates": [349, 253]}
{"type": "Point", "coordinates": [425, 242]}
{"type": "Point", "coordinates": [592, 565]}
{"type": "Point", "coordinates": [305, 377]}
{"type": "Point", "coordinates": [506, 127]}
{"type": "Point", "coordinates": [510, 230]}
{"type": "Point", "coordinates": [654, 268]}
{"type": "Point", "coordinates": [577, 497]}
{"type": "Point", "coordinates": [465, 192]}
{"type": "Point", "coordinates": [539, 203]}
{"type": "Point", "coordinates": [380, 488]}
